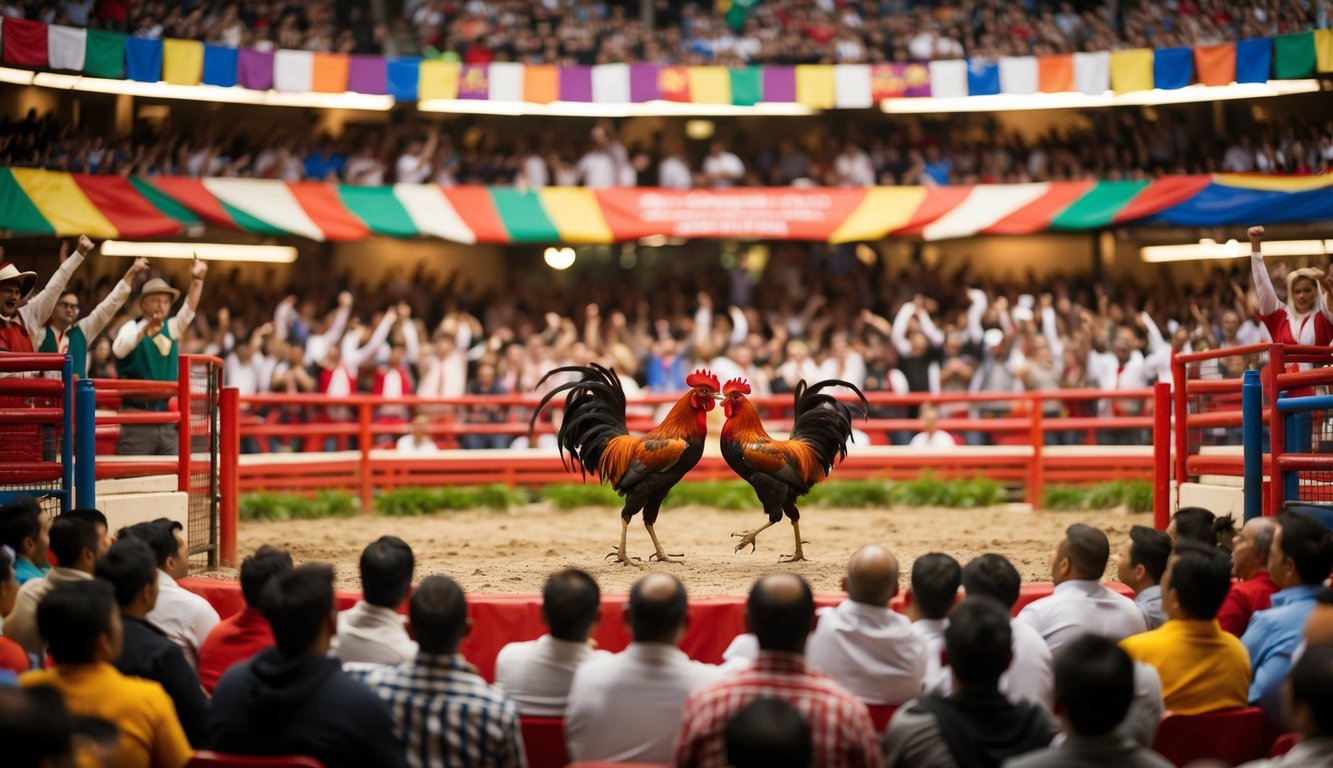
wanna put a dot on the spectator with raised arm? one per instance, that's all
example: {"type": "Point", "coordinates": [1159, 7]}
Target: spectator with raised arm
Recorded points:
{"type": "Point", "coordinates": [148, 349]}
{"type": "Point", "coordinates": [1305, 318]}
{"type": "Point", "coordinates": [65, 332]}
{"type": "Point", "coordinates": [21, 313]}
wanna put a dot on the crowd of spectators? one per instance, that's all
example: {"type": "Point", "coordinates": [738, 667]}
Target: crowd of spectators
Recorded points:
{"type": "Point", "coordinates": [806, 312]}
{"type": "Point", "coordinates": [1116, 145]}
{"type": "Point", "coordinates": [588, 32]}
{"type": "Point", "coordinates": [964, 675]}
{"type": "Point", "coordinates": [834, 31]}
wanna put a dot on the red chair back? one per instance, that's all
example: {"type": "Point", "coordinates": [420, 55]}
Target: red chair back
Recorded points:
{"type": "Point", "coordinates": [544, 742]}
{"type": "Point", "coordinates": [1284, 744]}
{"type": "Point", "coordinates": [206, 759]}
{"type": "Point", "coordinates": [881, 714]}
{"type": "Point", "coordinates": [1233, 736]}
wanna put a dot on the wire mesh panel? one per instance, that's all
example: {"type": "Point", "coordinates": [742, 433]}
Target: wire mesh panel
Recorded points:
{"type": "Point", "coordinates": [205, 377]}
{"type": "Point", "coordinates": [1227, 368]}
{"type": "Point", "coordinates": [33, 411]}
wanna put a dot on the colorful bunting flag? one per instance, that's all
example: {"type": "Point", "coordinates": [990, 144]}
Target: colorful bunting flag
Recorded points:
{"type": "Point", "coordinates": [474, 81]}
{"type": "Point", "coordinates": [220, 66]}
{"type": "Point", "coordinates": [1254, 60]}
{"type": "Point", "coordinates": [438, 80]}
{"type": "Point", "coordinates": [948, 79]}
{"type": "Point", "coordinates": [1294, 56]}
{"type": "Point", "coordinates": [541, 83]}
{"type": "Point", "coordinates": [747, 86]}
{"type": "Point", "coordinates": [1172, 68]}
{"type": "Point", "coordinates": [1323, 50]}
{"type": "Point", "coordinates": [329, 72]}
{"type": "Point", "coordinates": [643, 83]}
{"type": "Point", "coordinates": [1132, 70]}
{"type": "Point", "coordinates": [67, 47]}
{"type": "Point", "coordinates": [576, 84]}
{"type": "Point", "coordinates": [1019, 74]}
{"type": "Point", "coordinates": [1055, 73]}
{"type": "Point", "coordinates": [611, 84]}
{"type": "Point", "coordinates": [506, 81]}
{"type": "Point", "coordinates": [779, 84]}
{"type": "Point", "coordinates": [983, 77]}
{"type": "Point", "coordinates": [851, 86]}
{"type": "Point", "coordinates": [24, 43]}
{"type": "Point", "coordinates": [1092, 73]}
{"type": "Point", "coordinates": [104, 55]}
{"type": "Point", "coordinates": [254, 69]}
{"type": "Point", "coordinates": [709, 85]}
{"type": "Point", "coordinates": [674, 83]}
{"type": "Point", "coordinates": [368, 74]}
{"type": "Point", "coordinates": [182, 62]}
{"type": "Point", "coordinates": [143, 60]}
{"type": "Point", "coordinates": [1216, 64]}
{"type": "Point", "coordinates": [892, 81]}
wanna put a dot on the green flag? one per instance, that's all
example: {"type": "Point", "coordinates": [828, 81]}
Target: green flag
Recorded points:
{"type": "Point", "coordinates": [739, 12]}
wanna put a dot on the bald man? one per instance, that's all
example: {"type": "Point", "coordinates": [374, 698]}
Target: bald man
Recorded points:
{"type": "Point", "coordinates": [862, 643]}
{"type": "Point", "coordinates": [1254, 587]}
{"type": "Point", "coordinates": [625, 708]}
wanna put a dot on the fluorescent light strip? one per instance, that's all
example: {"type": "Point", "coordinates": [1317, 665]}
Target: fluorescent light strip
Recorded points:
{"type": "Point", "coordinates": [1011, 101]}
{"type": "Point", "coordinates": [267, 254]}
{"type": "Point", "coordinates": [1232, 249]}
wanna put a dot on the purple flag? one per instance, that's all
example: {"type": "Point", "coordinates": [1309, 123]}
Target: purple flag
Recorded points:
{"type": "Point", "coordinates": [254, 69]}
{"type": "Point", "coordinates": [367, 74]}
{"type": "Point", "coordinates": [779, 84]}
{"type": "Point", "coordinates": [576, 83]}
{"type": "Point", "coordinates": [474, 82]}
{"type": "Point", "coordinates": [643, 83]}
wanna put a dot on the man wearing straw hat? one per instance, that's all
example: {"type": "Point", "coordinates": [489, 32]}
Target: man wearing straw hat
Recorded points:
{"type": "Point", "coordinates": [148, 348]}
{"type": "Point", "coordinates": [20, 323]}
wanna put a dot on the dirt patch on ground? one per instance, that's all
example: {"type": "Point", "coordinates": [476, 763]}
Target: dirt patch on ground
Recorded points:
{"type": "Point", "coordinates": [514, 551]}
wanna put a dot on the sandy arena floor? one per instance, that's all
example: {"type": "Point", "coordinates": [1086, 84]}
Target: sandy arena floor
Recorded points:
{"type": "Point", "coordinates": [514, 551]}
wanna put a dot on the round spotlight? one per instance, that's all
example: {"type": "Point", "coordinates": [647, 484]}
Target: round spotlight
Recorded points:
{"type": "Point", "coordinates": [559, 258]}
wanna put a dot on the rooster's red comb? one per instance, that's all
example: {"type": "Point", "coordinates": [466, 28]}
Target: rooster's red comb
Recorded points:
{"type": "Point", "coordinates": [703, 378]}
{"type": "Point", "coordinates": [736, 385]}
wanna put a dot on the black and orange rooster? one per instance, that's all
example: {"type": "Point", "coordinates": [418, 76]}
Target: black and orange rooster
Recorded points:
{"type": "Point", "coordinates": [642, 469]}
{"type": "Point", "coordinates": [782, 471]}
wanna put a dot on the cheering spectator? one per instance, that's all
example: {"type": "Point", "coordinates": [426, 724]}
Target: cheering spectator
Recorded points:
{"type": "Point", "coordinates": [536, 675]}
{"type": "Point", "coordinates": [624, 708]}
{"type": "Point", "coordinates": [240, 636]}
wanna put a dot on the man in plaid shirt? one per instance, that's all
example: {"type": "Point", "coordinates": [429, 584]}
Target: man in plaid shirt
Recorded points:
{"type": "Point", "coordinates": [444, 713]}
{"type": "Point", "coordinates": [781, 613]}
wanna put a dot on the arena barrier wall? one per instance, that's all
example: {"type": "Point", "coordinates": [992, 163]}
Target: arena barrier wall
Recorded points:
{"type": "Point", "coordinates": [335, 443]}
{"type": "Point", "coordinates": [500, 619]}
{"type": "Point", "coordinates": [37, 429]}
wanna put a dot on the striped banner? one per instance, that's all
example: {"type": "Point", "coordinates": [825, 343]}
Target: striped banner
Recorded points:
{"type": "Point", "coordinates": [36, 202]}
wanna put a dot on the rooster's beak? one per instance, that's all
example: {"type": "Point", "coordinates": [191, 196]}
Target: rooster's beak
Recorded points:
{"type": "Point", "coordinates": [719, 397]}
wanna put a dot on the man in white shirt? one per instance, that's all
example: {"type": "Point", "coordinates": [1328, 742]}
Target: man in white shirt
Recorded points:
{"type": "Point", "coordinates": [853, 168]}
{"type": "Point", "coordinates": [1030, 676]}
{"type": "Point", "coordinates": [185, 618]}
{"type": "Point", "coordinates": [372, 631]}
{"type": "Point", "coordinates": [1122, 368]}
{"type": "Point", "coordinates": [418, 441]}
{"type": "Point", "coordinates": [862, 643]}
{"type": "Point", "coordinates": [674, 170]}
{"type": "Point", "coordinates": [66, 332]}
{"type": "Point", "coordinates": [628, 707]}
{"type": "Point", "coordinates": [931, 438]}
{"type": "Point", "coordinates": [414, 165]}
{"type": "Point", "coordinates": [935, 581]}
{"type": "Point", "coordinates": [601, 166]}
{"type": "Point", "coordinates": [536, 674]}
{"type": "Point", "coordinates": [1080, 603]}
{"type": "Point", "coordinates": [723, 168]}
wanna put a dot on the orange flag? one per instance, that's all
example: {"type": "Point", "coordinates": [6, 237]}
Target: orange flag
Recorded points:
{"type": "Point", "coordinates": [1215, 64]}
{"type": "Point", "coordinates": [329, 74]}
{"type": "Point", "coordinates": [541, 83]}
{"type": "Point", "coordinates": [674, 83]}
{"type": "Point", "coordinates": [1055, 74]}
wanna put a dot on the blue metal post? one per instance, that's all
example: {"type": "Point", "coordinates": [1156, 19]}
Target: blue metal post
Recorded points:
{"type": "Point", "coordinates": [1291, 481]}
{"type": "Point", "coordinates": [67, 437]}
{"type": "Point", "coordinates": [85, 483]}
{"type": "Point", "coordinates": [1252, 414]}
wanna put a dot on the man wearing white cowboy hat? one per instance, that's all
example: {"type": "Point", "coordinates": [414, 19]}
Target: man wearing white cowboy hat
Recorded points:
{"type": "Point", "coordinates": [21, 323]}
{"type": "Point", "coordinates": [148, 349]}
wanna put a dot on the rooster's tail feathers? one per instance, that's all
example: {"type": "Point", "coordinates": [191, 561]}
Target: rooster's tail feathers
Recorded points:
{"type": "Point", "coordinates": [823, 422]}
{"type": "Point", "coordinates": [594, 413]}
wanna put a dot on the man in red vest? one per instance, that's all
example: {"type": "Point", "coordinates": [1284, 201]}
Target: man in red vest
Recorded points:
{"type": "Point", "coordinates": [20, 324]}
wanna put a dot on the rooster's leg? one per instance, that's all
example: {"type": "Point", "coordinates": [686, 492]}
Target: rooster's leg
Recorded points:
{"type": "Point", "coordinates": [619, 554]}
{"type": "Point", "coordinates": [660, 555]}
{"type": "Point", "coordinates": [797, 555]}
{"type": "Point", "coordinates": [747, 538]}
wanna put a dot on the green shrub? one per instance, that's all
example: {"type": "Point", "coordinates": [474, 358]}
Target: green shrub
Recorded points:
{"type": "Point", "coordinates": [731, 494]}
{"type": "Point", "coordinates": [1135, 495]}
{"type": "Point", "coordinates": [851, 494]}
{"type": "Point", "coordinates": [1063, 498]}
{"type": "Point", "coordinates": [282, 506]}
{"type": "Point", "coordinates": [1139, 495]}
{"type": "Point", "coordinates": [575, 495]}
{"type": "Point", "coordinates": [498, 496]}
{"type": "Point", "coordinates": [407, 502]}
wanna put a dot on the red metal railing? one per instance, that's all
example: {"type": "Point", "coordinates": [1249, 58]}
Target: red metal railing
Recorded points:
{"type": "Point", "coordinates": [1025, 427]}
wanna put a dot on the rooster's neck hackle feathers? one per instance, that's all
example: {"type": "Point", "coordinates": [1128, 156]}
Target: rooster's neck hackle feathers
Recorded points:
{"type": "Point", "coordinates": [683, 421]}
{"type": "Point", "coordinates": [744, 425]}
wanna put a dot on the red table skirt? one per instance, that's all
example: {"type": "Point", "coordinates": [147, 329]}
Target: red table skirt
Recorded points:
{"type": "Point", "coordinates": [499, 619]}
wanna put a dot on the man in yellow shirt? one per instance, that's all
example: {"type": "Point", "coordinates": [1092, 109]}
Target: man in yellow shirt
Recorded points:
{"type": "Point", "coordinates": [1203, 668]}
{"type": "Point", "coordinates": [81, 625]}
